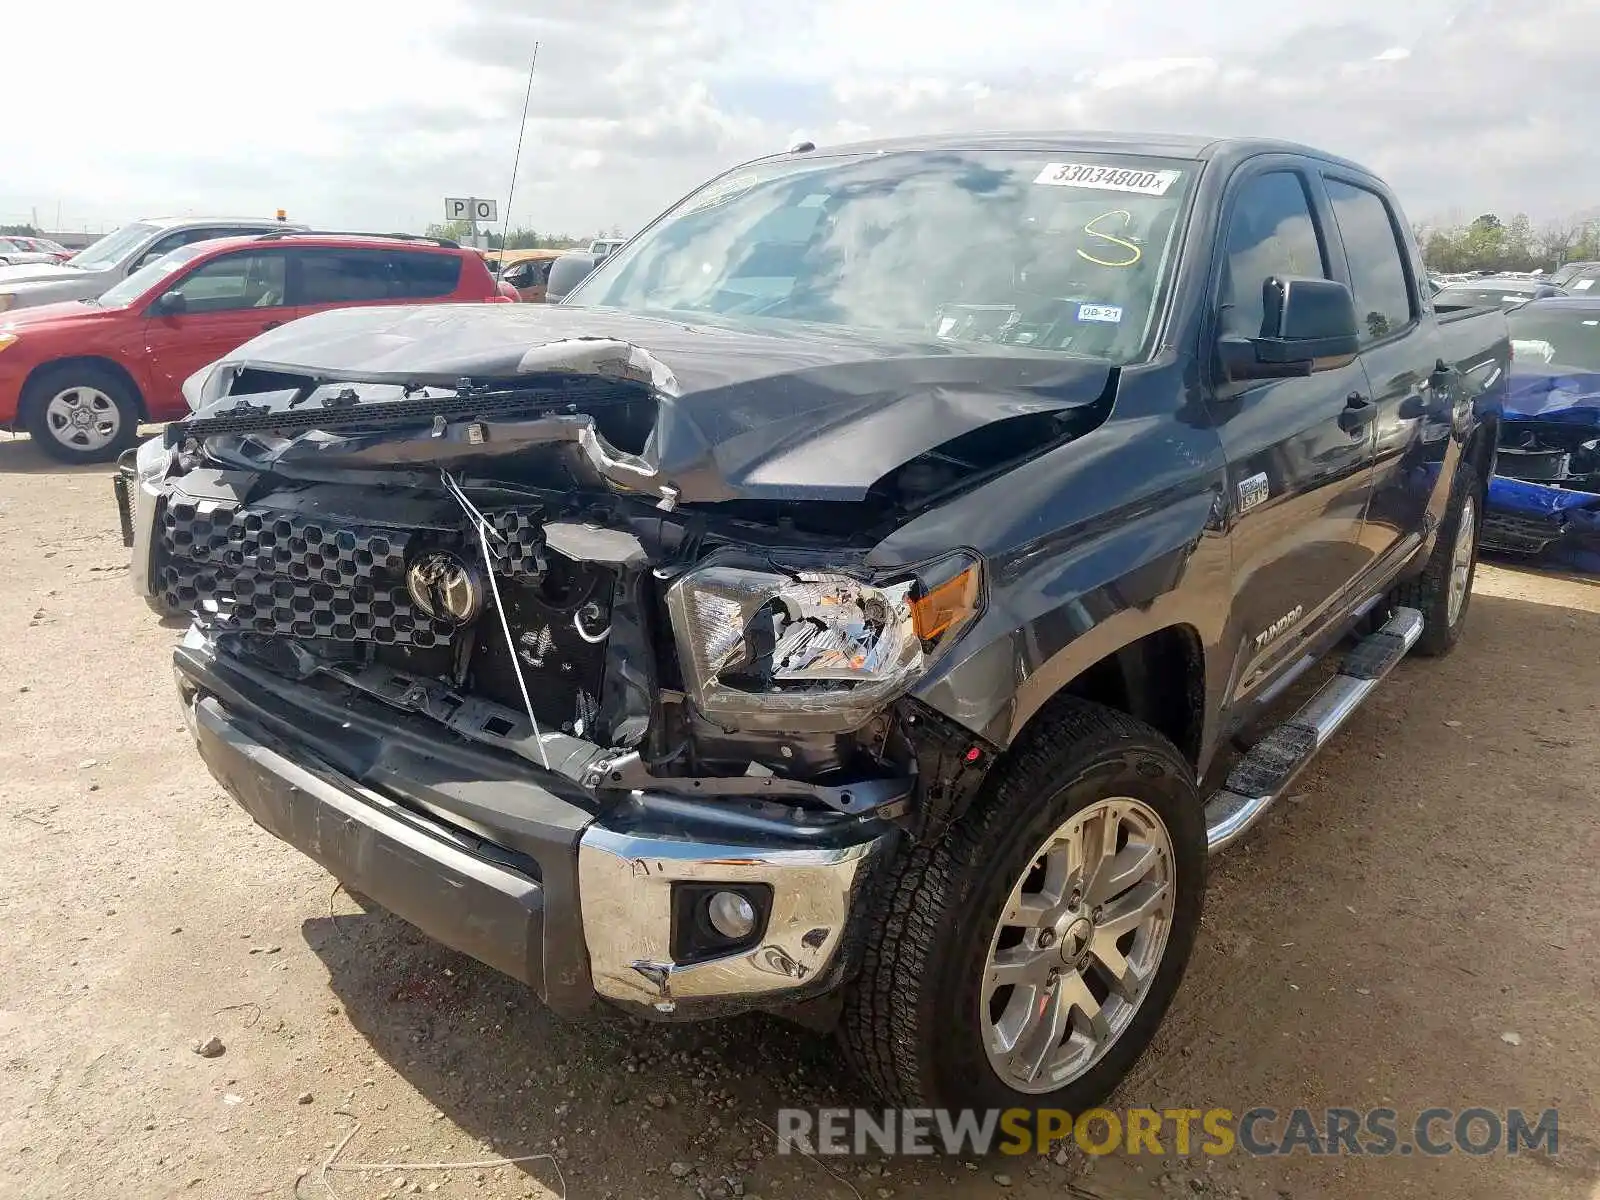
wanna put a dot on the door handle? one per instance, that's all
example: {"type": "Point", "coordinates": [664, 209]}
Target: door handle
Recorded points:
{"type": "Point", "coordinates": [1359, 412]}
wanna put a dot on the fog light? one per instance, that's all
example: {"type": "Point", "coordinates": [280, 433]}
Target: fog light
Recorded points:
{"type": "Point", "coordinates": [731, 915]}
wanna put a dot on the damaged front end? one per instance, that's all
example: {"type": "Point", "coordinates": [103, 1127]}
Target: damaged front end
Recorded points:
{"type": "Point", "coordinates": [489, 612]}
{"type": "Point", "coordinates": [1544, 501]}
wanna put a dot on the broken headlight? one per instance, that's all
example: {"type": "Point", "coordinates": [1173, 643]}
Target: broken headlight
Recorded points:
{"type": "Point", "coordinates": [812, 651]}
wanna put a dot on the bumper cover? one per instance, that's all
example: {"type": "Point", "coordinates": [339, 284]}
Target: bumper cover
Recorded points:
{"type": "Point", "coordinates": [521, 868]}
{"type": "Point", "coordinates": [1556, 524]}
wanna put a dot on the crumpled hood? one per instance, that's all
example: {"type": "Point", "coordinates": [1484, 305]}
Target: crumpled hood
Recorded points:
{"type": "Point", "coordinates": [745, 411]}
{"type": "Point", "coordinates": [1553, 393]}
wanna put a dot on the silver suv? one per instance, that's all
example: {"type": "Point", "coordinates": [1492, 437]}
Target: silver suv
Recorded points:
{"type": "Point", "coordinates": [116, 256]}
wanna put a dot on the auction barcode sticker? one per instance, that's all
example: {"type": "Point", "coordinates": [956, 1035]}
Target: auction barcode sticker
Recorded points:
{"type": "Point", "coordinates": [1108, 179]}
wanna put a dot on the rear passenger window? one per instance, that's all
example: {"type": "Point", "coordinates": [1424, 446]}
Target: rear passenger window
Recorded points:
{"type": "Point", "coordinates": [1372, 248]}
{"type": "Point", "coordinates": [342, 276]}
{"type": "Point", "coordinates": [419, 276]}
{"type": "Point", "coordinates": [1270, 234]}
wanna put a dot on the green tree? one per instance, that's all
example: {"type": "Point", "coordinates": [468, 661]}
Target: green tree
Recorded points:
{"type": "Point", "coordinates": [1516, 247]}
{"type": "Point", "coordinates": [456, 231]}
{"type": "Point", "coordinates": [19, 230]}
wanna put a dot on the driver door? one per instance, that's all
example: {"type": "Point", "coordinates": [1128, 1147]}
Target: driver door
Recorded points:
{"type": "Point", "coordinates": [226, 301]}
{"type": "Point", "coordinates": [1300, 467]}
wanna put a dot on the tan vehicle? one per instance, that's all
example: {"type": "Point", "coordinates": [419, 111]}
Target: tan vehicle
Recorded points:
{"type": "Point", "coordinates": [526, 270]}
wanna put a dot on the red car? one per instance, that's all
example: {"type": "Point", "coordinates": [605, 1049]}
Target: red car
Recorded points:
{"type": "Point", "coordinates": [82, 375]}
{"type": "Point", "coordinates": [45, 246]}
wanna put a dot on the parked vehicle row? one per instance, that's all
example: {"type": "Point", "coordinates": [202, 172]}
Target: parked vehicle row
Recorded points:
{"type": "Point", "coordinates": [803, 617]}
{"type": "Point", "coordinates": [80, 375]}
{"type": "Point", "coordinates": [18, 251]}
{"type": "Point", "coordinates": [113, 258]}
{"type": "Point", "coordinates": [1494, 290]}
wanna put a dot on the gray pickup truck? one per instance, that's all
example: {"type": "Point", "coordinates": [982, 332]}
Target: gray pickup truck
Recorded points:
{"type": "Point", "coordinates": [819, 615]}
{"type": "Point", "coordinates": [102, 264]}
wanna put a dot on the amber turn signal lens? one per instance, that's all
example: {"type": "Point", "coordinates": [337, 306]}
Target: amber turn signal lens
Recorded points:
{"type": "Point", "coordinates": [937, 609]}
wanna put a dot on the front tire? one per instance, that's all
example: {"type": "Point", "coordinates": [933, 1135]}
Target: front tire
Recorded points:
{"type": "Point", "coordinates": [81, 413]}
{"type": "Point", "coordinates": [1027, 959]}
{"type": "Point", "coordinates": [1443, 592]}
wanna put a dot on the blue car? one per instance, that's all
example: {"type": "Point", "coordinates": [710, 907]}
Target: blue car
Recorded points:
{"type": "Point", "coordinates": [1544, 501]}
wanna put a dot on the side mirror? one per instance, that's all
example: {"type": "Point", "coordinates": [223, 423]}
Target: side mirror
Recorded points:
{"type": "Point", "coordinates": [170, 304]}
{"type": "Point", "coordinates": [1308, 325]}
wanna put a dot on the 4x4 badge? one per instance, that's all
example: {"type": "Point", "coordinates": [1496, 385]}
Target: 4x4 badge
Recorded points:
{"type": "Point", "coordinates": [1253, 491]}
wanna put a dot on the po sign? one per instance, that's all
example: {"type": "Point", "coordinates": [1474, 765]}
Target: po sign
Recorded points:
{"type": "Point", "coordinates": [470, 209]}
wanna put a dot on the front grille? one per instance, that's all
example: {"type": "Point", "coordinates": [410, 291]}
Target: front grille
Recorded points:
{"type": "Point", "coordinates": [281, 573]}
{"type": "Point", "coordinates": [302, 572]}
{"type": "Point", "coordinates": [1520, 534]}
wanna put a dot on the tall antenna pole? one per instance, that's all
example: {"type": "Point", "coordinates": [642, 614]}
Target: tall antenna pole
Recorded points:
{"type": "Point", "coordinates": [516, 161]}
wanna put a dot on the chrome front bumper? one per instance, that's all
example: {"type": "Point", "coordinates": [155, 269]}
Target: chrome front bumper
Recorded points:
{"type": "Point", "coordinates": [626, 882]}
{"type": "Point", "coordinates": [510, 864]}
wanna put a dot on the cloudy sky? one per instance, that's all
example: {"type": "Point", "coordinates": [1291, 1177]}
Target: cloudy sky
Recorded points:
{"type": "Point", "coordinates": [357, 115]}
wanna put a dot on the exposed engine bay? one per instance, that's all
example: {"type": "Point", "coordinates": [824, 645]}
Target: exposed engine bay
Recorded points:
{"type": "Point", "coordinates": [1551, 453]}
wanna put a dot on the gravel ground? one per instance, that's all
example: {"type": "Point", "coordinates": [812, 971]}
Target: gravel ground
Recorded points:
{"type": "Point", "coordinates": [1430, 890]}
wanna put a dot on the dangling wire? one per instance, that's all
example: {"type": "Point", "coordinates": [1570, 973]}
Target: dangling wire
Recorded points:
{"type": "Point", "coordinates": [485, 532]}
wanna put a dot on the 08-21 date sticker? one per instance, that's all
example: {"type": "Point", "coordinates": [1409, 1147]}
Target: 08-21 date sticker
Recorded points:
{"type": "Point", "coordinates": [1109, 313]}
{"type": "Point", "coordinates": [1108, 179]}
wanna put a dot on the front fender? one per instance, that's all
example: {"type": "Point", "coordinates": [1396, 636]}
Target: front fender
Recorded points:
{"type": "Point", "coordinates": [1088, 549]}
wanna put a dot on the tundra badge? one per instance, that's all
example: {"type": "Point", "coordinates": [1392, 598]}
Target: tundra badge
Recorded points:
{"type": "Point", "coordinates": [1271, 632]}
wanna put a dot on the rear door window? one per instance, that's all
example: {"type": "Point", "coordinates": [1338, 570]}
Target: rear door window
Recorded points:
{"type": "Point", "coordinates": [342, 276]}
{"type": "Point", "coordinates": [1373, 250]}
{"type": "Point", "coordinates": [419, 275]}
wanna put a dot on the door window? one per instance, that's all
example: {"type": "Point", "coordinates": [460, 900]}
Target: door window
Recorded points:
{"type": "Point", "coordinates": [421, 276]}
{"type": "Point", "coordinates": [1372, 248]}
{"type": "Point", "coordinates": [234, 281]}
{"type": "Point", "coordinates": [1270, 233]}
{"type": "Point", "coordinates": [343, 276]}
{"type": "Point", "coordinates": [158, 248]}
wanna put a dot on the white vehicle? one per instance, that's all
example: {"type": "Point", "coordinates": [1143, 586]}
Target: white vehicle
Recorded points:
{"type": "Point", "coordinates": [601, 247]}
{"type": "Point", "coordinates": [114, 257]}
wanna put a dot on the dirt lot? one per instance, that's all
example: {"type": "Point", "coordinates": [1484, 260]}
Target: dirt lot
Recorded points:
{"type": "Point", "coordinates": [1432, 889]}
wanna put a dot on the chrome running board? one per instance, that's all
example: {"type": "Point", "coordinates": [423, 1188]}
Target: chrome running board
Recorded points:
{"type": "Point", "coordinates": [1262, 775]}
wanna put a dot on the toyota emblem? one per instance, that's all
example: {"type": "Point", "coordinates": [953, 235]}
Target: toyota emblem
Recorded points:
{"type": "Point", "coordinates": [445, 588]}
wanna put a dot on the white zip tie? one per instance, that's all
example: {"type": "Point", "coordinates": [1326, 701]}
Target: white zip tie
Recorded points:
{"type": "Point", "coordinates": [485, 530]}
{"type": "Point", "coordinates": [592, 639]}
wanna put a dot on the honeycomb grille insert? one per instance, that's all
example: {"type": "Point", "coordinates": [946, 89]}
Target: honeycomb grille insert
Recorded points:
{"type": "Point", "coordinates": [521, 554]}
{"type": "Point", "coordinates": [275, 573]}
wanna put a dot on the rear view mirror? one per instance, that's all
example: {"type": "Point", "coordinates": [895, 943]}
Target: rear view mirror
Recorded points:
{"type": "Point", "coordinates": [1308, 325]}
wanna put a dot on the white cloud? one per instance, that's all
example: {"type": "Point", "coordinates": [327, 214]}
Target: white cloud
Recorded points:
{"type": "Point", "coordinates": [354, 118]}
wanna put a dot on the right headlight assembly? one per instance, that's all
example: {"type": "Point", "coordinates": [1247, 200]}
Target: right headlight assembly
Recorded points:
{"type": "Point", "coordinates": [813, 651]}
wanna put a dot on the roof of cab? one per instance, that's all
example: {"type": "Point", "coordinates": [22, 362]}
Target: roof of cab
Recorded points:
{"type": "Point", "coordinates": [182, 222]}
{"type": "Point", "coordinates": [1168, 145]}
